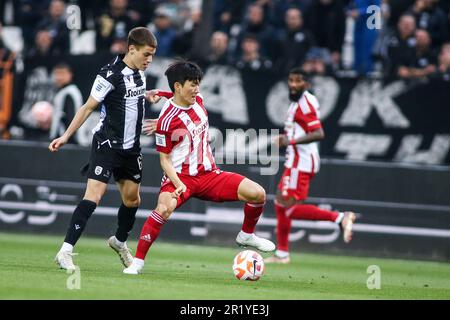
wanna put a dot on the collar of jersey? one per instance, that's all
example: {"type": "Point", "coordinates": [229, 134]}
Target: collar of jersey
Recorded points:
{"type": "Point", "coordinates": [180, 107]}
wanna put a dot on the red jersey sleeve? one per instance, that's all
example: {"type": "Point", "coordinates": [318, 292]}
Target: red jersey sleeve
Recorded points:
{"type": "Point", "coordinates": [163, 141]}
{"type": "Point", "coordinates": [165, 94]}
{"type": "Point", "coordinates": [167, 139]}
{"type": "Point", "coordinates": [306, 117]}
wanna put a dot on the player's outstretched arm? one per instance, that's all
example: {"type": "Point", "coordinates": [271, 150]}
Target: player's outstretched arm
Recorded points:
{"type": "Point", "coordinates": [80, 117]}
{"type": "Point", "coordinates": [166, 165]}
{"type": "Point", "coordinates": [155, 95]}
{"type": "Point", "coordinates": [149, 126]}
{"type": "Point", "coordinates": [313, 136]}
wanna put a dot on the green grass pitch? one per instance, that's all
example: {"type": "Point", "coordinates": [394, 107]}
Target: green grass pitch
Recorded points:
{"type": "Point", "coordinates": [180, 271]}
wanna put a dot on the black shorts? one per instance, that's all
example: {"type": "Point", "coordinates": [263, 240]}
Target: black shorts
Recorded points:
{"type": "Point", "coordinates": [122, 164]}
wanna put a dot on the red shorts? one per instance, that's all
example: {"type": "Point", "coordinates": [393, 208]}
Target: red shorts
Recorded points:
{"type": "Point", "coordinates": [295, 184]}
{"type": "Point", "coordinates": [217, 186]}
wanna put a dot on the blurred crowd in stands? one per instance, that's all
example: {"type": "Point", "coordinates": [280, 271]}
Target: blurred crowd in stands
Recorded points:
{"type": "Point", "coordinates": [405, 38]}
{"type": "Point", "coordinates": [409, 39]}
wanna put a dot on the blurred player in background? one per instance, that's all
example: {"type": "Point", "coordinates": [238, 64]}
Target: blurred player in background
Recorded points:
{"type": "Point", "coordinates": [302, 131]}
{"type": "Point", "coordinates": [189, 167]}
{"type": "Point", "coordinates": [120, 90]}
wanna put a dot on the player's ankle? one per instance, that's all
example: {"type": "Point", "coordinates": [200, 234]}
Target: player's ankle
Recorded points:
{"type": "Point", "coordinates": [244, 235]}
{"type": "Point", "coordinates": [66, 247]}
{"type": "Point", "coordinates": [282, 254]}
{"type": "Point", "coordinates": [340, 218]}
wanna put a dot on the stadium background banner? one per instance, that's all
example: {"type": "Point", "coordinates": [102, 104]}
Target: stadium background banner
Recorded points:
{"type": "Point", "coordinates": [403, 209]}
{"type": "Point", "coordinates": [363, 119]}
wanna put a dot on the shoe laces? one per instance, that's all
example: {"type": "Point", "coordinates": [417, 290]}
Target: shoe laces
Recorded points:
{"type": "Point", "coordinates": [67, 257]}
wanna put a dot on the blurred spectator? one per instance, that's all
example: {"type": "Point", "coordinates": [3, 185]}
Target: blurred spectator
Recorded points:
{"type": "Point", "coordinates": [178, 11]}
{"type": "Point", "coordinates": [141, 11]}
{"type": "Point", "coordinates": [363, 37]}
{"type": "Point", "coordinates": [54, 23]}
{"type": "Point", "coordinates": [42, 49]}
{"type": "Point", "coordinates": [218, 51]}
{"type": "Point", "coordinates": [6, 87]}
{"type": "Point", "coordinates": [251, 59]}
{"type": "Point", "coordinates": [41, 113]}
{"type": "Point", "coordinates": [164, 32]}
{"type": "Point", "coordinates": [431, 18]}
{"type": "Point", "coordinates": [219, 48]}
{"type": "Point", "coordinates": [443, 70]}
{"type": "Point", "coordinates": [422, 62]}
{"type": "Point", "coordinates": [227, 13]}
{"type": "Point", "coordinates": [401, 43]}
{"type": "Point", "coordinates": [183, 44]}
{"type": "Point", "coordinates": [89, 9]}
{"type": "Point", "coordinates": [293, 42]}
{"type": "Point", "coordinates": [279, 8]}
{"type": "Point", "coordinates": [256, 24]}
{"type": "Point", "coordinates": [318, 61]}
{"type": "Point", "coordinates": [397, 8]}
{"type": "Point", "coordinates": [328, 35]}
{"type": "Point", "coordinates": [119, 46]}
{"type": "Point", "coordinates": [66, 102]}
{"type": "Point", "coordinates": [30, 14]}
{"type": "Point", "coordinates": [113, 24]}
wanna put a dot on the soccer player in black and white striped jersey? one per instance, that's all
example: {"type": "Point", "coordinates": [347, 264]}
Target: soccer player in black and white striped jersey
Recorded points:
{"type": "Point", "coordinates": [119, 89]}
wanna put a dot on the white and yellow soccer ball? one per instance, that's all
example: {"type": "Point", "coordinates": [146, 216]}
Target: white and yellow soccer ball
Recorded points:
{"type": "Point", "coordinates": [248, 265]}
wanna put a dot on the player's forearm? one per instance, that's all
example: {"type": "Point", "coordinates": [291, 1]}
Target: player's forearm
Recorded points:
{"type": "Point", "coordinates": [313, 136]}
{"type": "Point", "coordinates": [80, 117]}
{"type": "Point", "coordinates": [169, 170]}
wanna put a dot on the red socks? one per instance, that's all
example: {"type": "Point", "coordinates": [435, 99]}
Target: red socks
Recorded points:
{"type": "Point", "coordinates": [283, 228]}
{"type": "Point", "coordinates": [252, 212]}
{"type": "Point", "coordinates": [150, 231]}
{"type": "Point", "coordinates": [298, 212]}
{"type": "Point", "coordinates": [311, 212]}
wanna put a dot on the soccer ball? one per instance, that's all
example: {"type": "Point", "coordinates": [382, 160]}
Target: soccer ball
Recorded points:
{"type": "Point", "coordinates": [248, 265]}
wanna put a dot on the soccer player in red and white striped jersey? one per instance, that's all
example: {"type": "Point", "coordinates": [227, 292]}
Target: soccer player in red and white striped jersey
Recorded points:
{"type": "Point", "coordinates": [303, 130]}
{"type": "Point", "coordinates": [189, 167]}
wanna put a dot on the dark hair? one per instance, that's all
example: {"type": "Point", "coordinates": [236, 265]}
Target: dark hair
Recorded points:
{"type": "Point", "coordinates": [182, 71]}
{"type": "Point", "coordinates": [141, 36]}
{"type": "Point", "coordinates": [63, 65]}
{"type": "Point", "coordinates": [299, 71]}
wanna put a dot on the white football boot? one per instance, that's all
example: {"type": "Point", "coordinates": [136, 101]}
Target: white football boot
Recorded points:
{"type": "Point", "coordinates": [347, 225]}
{"type": "Point", "coordinates": [122, 250]}
{"type": "Point", "coordinates": [135, 268]}
{"type": "Point", "coordinates": [251, 240]}
{"type": "Point", "coordinates": [64, 260]}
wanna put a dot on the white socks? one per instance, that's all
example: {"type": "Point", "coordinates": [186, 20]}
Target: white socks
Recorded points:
{"type": "Point", "coordinates": [245, 235]}
{"type": "Point", "coordinates": [339, 218]}
{"type": "Point", "coordinates": [138, 262]}
{"type": "Point", "coordinates": [119, 243]}
{"type": "Point", "coordinates": [282, 254]}
{"type": "Point", "coordinates": [67, 247]}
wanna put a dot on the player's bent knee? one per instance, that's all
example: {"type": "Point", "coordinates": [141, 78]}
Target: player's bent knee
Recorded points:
{"type": "Point", "coordinates": [257, 194]}
{"type": "Point", "coordinates": [261, 195]}
{"type": "Point", "coordinates": [164, 210]}
{"type": "Point", "coordinates": [132, 203]}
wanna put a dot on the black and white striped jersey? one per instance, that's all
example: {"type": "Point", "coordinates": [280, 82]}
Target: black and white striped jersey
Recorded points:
{"type": "Point", "coordinates": [121, 93]}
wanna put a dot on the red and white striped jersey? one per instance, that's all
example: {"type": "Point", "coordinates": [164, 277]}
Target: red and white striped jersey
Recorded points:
{"type": "Point", "coordinates": [182, 132]}
{"type": "Point", "coordinates": [303, 117]}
